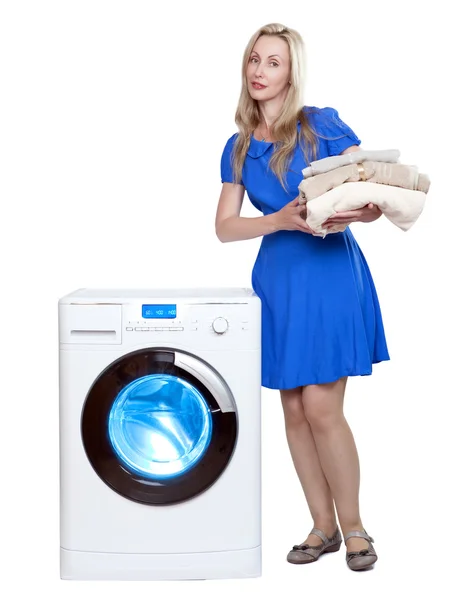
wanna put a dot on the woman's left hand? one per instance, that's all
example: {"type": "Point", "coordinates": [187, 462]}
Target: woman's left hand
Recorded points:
{"type": "Point", "coordinates": [366, 214]}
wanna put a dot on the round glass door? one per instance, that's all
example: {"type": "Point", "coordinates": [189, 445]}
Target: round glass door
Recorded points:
{"type": "Point", "coordinates": [153, 431]}
{"type": "Point", "coordinates": [160, 426]}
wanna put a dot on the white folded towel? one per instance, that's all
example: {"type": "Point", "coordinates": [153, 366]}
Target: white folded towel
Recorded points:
{"type": "Point", "coordinates": [401, 206]}
{"type": "Point", "coordinates": [332, 162]}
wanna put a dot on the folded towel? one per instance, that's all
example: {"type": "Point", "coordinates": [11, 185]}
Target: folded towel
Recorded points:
{"type": "Point", "coordinates": [332, 162]}
{"type": "Point", "coordinates": [404, 176]}
{"type": "Point", "coordinates": [402, 207]}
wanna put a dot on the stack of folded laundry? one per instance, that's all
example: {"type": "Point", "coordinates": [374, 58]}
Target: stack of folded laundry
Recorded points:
{"type": "Point", "coordinates": [351, 181]}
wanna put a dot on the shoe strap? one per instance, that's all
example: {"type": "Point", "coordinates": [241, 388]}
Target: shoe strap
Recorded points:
{"type": "Point", "coordinates": [361, 534]}
{"type": "Point", "coordinates": [320, 534]}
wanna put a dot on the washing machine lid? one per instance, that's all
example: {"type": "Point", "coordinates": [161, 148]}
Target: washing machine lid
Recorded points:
{"type": "Point", "coordinates": [219, 295]}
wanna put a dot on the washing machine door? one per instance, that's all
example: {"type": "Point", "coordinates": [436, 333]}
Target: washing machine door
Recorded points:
{"type": "Point", "coordinates": [159, 426]}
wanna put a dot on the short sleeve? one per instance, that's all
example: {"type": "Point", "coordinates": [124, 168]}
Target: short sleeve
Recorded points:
{"type": "Point", "coordinates": [226, 161]}
{"type": "Point", "coordinates": [331, 126]}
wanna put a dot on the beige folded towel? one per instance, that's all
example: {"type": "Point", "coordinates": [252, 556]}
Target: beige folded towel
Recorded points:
{"type": "Point", "coordinates": [402, 207]}
{"type": "Point", "coordinates": [404, 176]}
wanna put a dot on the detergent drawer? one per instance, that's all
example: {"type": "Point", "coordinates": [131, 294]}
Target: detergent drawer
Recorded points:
{"type": "Point", "coordinates": [90, 323]}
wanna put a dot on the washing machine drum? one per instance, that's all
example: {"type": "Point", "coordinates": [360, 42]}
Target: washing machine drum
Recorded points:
{"type": "Point", "coordinates": [159, 426]}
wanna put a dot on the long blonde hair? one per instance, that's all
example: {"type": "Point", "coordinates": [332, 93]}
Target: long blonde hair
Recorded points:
{"type": "Point", "coordinates": [284, 128]}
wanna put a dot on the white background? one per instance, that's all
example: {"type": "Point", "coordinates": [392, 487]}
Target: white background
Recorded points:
{"type": "Point", "coordinates": [114, 116]}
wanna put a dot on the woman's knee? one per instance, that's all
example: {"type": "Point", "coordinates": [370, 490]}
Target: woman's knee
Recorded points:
{"type": "Point", "coordinates": [292, 407]}
{"type": "Point", "coordinates": [323, 404]}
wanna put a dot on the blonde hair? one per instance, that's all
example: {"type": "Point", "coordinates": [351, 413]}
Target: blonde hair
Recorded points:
{"type": "Point", "coordinates": [284, 128]}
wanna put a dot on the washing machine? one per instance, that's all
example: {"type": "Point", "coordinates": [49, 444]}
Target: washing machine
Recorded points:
{"type": "Point", "coordinates": [160, 474]}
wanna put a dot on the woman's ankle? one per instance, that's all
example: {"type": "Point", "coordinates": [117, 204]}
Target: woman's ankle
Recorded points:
{"type": "Point", "coordinates": [328, 526]}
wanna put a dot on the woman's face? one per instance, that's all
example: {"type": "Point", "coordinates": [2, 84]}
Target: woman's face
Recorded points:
{"type": "Point", "coordinates": [269, 65]}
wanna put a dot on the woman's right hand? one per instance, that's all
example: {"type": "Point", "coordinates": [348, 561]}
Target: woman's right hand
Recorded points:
{"type": "Point", "coordinates": [289, 217]}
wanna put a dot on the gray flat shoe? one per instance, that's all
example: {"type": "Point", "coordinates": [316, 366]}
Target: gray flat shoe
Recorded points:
{"type": "Point", "coordinates": [305, 553]}
{"type": "Point", "coordinates": [363, 559]}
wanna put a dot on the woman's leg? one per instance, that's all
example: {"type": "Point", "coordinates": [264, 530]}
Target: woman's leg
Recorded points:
{"type": "Point", "coordinates": [307, 465]}
{"type": "Point", "coordinates": [323, 406]}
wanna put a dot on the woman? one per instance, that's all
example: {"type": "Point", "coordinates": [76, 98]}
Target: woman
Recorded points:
{"type": "Point", "coordinates": [321, 320]}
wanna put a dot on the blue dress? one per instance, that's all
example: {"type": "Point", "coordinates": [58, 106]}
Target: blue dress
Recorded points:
{"type": "Point", "coordinates": [321, 318]}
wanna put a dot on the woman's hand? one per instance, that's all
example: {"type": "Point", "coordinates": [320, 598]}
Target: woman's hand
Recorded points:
{"type": "Point", "coordinates": [289, 217]}
{"type": "Point", "coordinates": [366, 214]}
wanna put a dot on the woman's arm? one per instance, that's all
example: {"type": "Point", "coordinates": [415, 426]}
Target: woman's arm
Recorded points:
{"type": "Point", "coordinates": [230, 227]}
{"type": "Point", "coordinates": [235, 229]}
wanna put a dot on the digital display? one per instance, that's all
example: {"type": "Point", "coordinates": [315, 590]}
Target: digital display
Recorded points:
{"type": "Point", "coordinates": [159, 311]}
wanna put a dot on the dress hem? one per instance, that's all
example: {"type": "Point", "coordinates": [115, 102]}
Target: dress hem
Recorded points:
{"type": "Point", "coordinates": [328, 380]}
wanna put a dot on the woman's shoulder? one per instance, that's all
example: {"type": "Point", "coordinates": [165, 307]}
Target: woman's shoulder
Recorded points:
{"type": "Point", "coordinates": [328, 125]}
{"type": "Point", "coordinates": [324, 115]}
{"type": "Point", "coordinates": [228, 146]}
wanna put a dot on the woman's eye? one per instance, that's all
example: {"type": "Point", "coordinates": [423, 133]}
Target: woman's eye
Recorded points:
{"type": "Point", "coordinates": [273, 62]}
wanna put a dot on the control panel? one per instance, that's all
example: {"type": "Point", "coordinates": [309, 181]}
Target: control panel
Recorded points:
{"type": "Point", "coordinates": [197, 324]}
{"type": "Point", "coordinates": [215, 319]}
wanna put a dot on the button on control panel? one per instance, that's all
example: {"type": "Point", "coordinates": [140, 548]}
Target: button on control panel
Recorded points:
{"type": "Point", "coordinates": [155, 328]}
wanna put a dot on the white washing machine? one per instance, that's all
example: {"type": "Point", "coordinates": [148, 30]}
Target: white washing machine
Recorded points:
{"type": "Point", "coordinates": [160, 434]}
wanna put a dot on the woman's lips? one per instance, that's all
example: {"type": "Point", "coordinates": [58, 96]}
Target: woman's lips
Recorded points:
{"type": "Point", "coordinates": [257, 86]}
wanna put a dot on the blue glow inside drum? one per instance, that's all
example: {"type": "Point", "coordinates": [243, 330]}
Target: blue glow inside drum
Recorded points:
{"type": "Point", "coordinates": [160, 426]}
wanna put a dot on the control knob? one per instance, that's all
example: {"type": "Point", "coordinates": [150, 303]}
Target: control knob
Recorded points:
{"type": "Point", "coordinates": [220, 325]}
